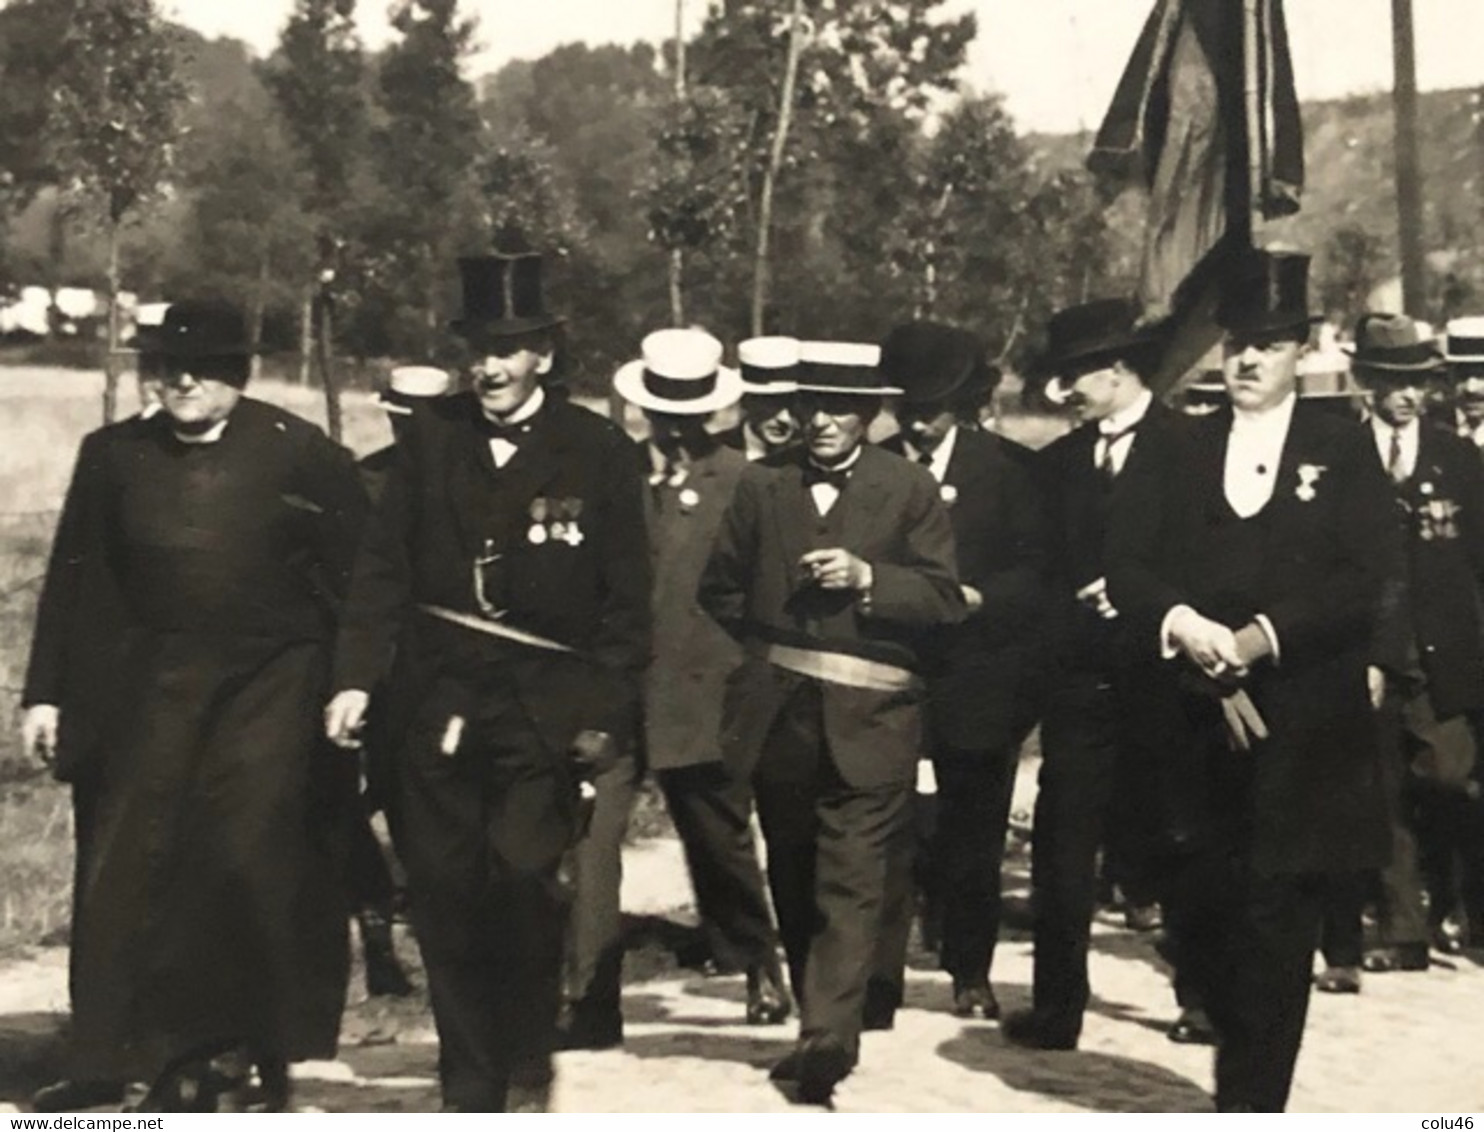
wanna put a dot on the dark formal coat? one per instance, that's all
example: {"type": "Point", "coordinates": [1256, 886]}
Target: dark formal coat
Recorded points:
{"type": "Point", "coordinates": [1309, 799]}
{"type": "Point", "coordinates": [978, 670]}
{"type": "Point", "coordinates": [692, 653]}
{"type": "Point", "coordinates": [217, 809]}
{"type": "Point", "coordinates": [1441, 511]}
{"type": "Point", "coordinates": [561, 532]}
{"type": "Point", "coordinates": [890, 515]}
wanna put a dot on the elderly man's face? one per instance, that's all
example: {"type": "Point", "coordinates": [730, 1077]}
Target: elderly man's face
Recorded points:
{"type": "Point", "coordinates": [835, 424]}
{"type": "Point", "coordinates": [1260, 371]}
{"type": "Point", "coordinates": [198, 395]}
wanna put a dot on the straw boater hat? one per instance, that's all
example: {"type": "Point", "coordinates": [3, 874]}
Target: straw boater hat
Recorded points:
{"type": "Point", "coordinates": [681, 373]}
{"type": "Point", "coordinates": [842, 367]}
{"type": "Point", "coordinates": [408, 384]}
{"type": "Point", "coordinates": [1465, 341]}
{"type": "Point", "coordinates": [770, 366]}
{"type": "Point", "coordinates": [1395, 345]}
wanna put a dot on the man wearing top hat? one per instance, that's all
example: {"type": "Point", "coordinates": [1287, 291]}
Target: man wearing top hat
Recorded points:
{"type": "Point", "coordinates": [209, 936]}
{"type": "Point", "coordinates": [978, 671]}
{"type": "Point", "coordinates": [1256, 558]}
{"type": "Point", "coordinates": [769, 369]}
{"type": "Point", "coordinates": [507, 568]}
{"type": "Point", "coordinates": [1464, 353]}
{"type": "Point", "coordinates": [1100, 729]}
{"type": "Point", "coordinates": [832, 561]}
{"type": "Point", "coordinates": [678, 383]}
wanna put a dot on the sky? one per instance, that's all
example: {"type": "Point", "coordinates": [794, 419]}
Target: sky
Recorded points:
{"type": "Point", "coordinates": [1055, 61]}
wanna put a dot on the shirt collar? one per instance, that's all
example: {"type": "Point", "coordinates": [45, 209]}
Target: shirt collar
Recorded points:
{"type": "Point", "coordinates": [210, 436]}
{"type": "Point", "coordinates": [1275, 419]}
{"type": "Point", "coordinates": [942, 455]}
{"type": "Point", "coordinates": [532, 406]}
{"type": "Point", "coordinates": [752, 444]}
{"type": "Point", "coordinates": [1125, 419]}
{"type": "Point", "coordinates": [844, 465]}
{"type": "Point", "coordinates": [1407, 432]}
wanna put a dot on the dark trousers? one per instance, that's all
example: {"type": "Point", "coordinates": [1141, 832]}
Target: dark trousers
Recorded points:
{"type": "Point", "coordinates": [594, 963]}
{"type": "Point", "coordinates": [712, 812]}
{"type": "Point", "coordinates": [482, 836]}
{"type": "Point", "coordinates": [968, 850]}
{"type": "Point", "coordinates": [830, 849]}
{"type": "Point", "coordinates": [1247, 954]}
{"type": "Point", "coordinates": [1080, 744]}
{"type": "Point", "coordinates": [369, 877]}
{"type": "Point", "coordinates": [1342, 933]}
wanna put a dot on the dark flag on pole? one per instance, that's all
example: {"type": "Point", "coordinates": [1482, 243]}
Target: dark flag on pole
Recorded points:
{"type": "Point", "coordinates": [1206, 121]}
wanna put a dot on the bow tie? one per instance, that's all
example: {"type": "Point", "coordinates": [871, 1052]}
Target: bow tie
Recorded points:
{"type": "Point", "coordinates": [499, 430]}
{"type": "Point", "coordinates": [835, 477]}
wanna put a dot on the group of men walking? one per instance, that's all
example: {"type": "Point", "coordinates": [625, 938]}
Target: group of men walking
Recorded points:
{"type": "Point", "coordinates": [786, 619]}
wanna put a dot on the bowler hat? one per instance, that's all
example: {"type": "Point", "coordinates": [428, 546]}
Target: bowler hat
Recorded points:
{"type": "Point", "coordinates": [770, 366]}
{"type": "Point", "coordinates": [1465, 341]}
{"type": "Point", "coordinates": [503, 296]}
{"type": "Point", "coordinates": [842, 367]}
{"type": "Point", "coordinates": [931, 361]}
{"type": "Point", "coordinates": [1266, 292]}
{"type": "Point", "coordinates": [1393, 343]}
{"type": "Point", "coordinates": [202, 328]}
{"type": "Point", "coordinates": [680, 373]}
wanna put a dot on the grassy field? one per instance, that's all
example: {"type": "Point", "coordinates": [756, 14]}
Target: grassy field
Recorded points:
{"type": "Point", "coordinates": [46, 412]}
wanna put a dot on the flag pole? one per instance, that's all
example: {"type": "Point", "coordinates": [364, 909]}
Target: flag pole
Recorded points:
{"type": "Point", "coordinates": [1408, 161]}
{"type": "Point", "coordinates": [1252, 94]}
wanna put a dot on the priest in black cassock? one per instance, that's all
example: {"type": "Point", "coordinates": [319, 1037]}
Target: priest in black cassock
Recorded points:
{"type": "Point", "coordinates": [1256, 556]}
{"type": "Point", "coordinates": [210, 930]}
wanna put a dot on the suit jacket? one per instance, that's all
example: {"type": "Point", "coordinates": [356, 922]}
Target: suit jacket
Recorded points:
{"type": "Point", "coordinates": [977, 669]}
{"type": "Point", "coordinates": [692, 653]}
{"type": "Point", "coordinates": [890, 515]}
{"type": "Point", "coordinates": [1440, 509]}
{"type": "Point", "coordinates": [557, 538]}
{"type": "Point", "coordinates": [1310, 798]}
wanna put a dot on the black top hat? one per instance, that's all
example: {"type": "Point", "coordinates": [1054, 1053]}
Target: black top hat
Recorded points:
{"type": "Point", "coordinates": [202, 328]}
{"type": "Point", "coordinates": [1093, 334]}
{"type": "Point", "coordinates": [1266, 292]}
{"type": "Point", "coordinates": [1393, 343]}
{"type": "Point", "coordinates": [932, 361]}
{"type": "Point", "coordinates": [502, 295]}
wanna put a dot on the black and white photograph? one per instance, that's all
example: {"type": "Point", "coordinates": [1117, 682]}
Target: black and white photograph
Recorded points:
{"type": "Point", "coordinates": [709, 556]}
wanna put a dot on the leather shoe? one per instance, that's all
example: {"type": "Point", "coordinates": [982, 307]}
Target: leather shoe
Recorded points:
{"type": "Point", "coordinates": [584, 1027]}
{"type": "Point", "coordinates": [768, 1004]}
{"type": "Point", "coordinates": [1402, 957]}
{"type": "Point", "coordinates": [880, 1010]}
{"type": "Point", "coordinates": [1143, 917]}
{"type": "Point", "coordinates": [814, 1068]}
{"type": "Point", "coordinates": [70, 1096]}
{"type": "Point", "coordinates": [1338, 980]}
{"type": "Point", "coordinates": [1035, 1030]}
{"type": "Point", "coordinates": [1192, 1028]}
{"type": "Point", "coordinates": [974, 996]}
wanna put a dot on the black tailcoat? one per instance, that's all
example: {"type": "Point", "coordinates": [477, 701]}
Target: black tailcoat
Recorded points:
{"type": "Point", "coordinates": [1327, 547]}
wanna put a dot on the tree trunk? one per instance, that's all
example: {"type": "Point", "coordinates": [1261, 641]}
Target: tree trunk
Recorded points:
{"type": "Point", "coordinates": [325, 352]}
{"type": "Point", "coordinates": [677, 255]}
{"type": "Point", "coordinates": [110, 363]}
{"type": "Point", "coordinates": [761, 268]}
{"type": "Point", "coordinates": [306, 335]}
{"type": "Point", "coordinates": [259, 309]}
{"type": "Point", "coordinates": [1408, 162]}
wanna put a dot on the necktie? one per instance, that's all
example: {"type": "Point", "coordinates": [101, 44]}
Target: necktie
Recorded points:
{"type": "Point", "coordinates": [1394, 466]}
{"type": "Point", "coordinates": [925, 459]}
{"type": "Point", "coordinates": [1106, 442]}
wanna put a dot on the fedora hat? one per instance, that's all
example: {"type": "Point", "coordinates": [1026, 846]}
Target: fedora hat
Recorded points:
{"type": "Point", "coordinates": [770, 366]}
{"type": "Point", "coordinates": [407, 385]}
{"type": "Point", "coordinates": [1266, 292]}
{"type": "Point", "coordinates": [1465, 341]}
{"type": "Point", "coordinates": [1393, 343]}
{"type": "Point", "coordinates": [842, 367]}
{"type": "Point", "coordinates": [1091, 336]}
{"type": "Point", "coordinates": [680, 372]}
{"type": "Point", "coordinates": [931, 361]}
{"type": "Point", "coordinates": [502, 296]}
{"type": "Point", "coordinates": [201, 328]}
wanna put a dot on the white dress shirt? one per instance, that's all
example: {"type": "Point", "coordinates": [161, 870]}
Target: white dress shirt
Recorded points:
{"type": "Point", "coordinates": [1253, 453]}
{"type": "Point", "coordinates": [752, 444]}
{"type": "Point", "coordinates": [504, 450]}
{"type": "Point", "coordinates": [1470, 431]}
{"type": "Point", "coordinates": [1410, 435]}
{"type": "Point", "coordinates": [826, 495]}
{"type": "Point", "coordinates": [1115, 434]}
{"type": "Point", "coordinates": [942, 455]}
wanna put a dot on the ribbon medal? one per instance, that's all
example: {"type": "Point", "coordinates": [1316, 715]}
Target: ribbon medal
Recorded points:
{"type": "Point", "coordinates": [538, 533]}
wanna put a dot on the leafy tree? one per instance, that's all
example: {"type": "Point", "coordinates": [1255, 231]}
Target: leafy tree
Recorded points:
{"type": "Point", "coordinates": [1351, 265]}
{"type": "Point", "coordinates": [115, 121]}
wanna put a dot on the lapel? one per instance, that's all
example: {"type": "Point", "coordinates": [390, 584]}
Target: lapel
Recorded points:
{"type": "Point", "coordinates": [1208, 476]}
{"type": "Point", "coordinates": [1430, 467]}
{"type": "Point", "coordinates": [535, 464]}
{"type": "Point", "coordinates": [793, 509]}
{"type": "Point", "coordinates": [863, 496]}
